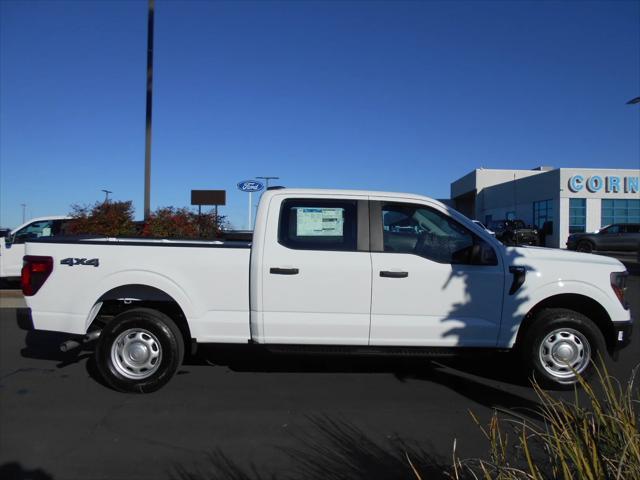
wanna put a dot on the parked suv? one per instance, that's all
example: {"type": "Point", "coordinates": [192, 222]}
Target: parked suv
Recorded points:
{"type": "Point", "coordinates": [619, 237]}
{"type": "Point", "coordinates": [515, 232]}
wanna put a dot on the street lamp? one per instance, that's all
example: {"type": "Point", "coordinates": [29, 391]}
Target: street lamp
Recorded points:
{"type": "Point", "coordinates": [633, 101]}
{"type": "Point", "coordinates": [266, 181]}
{"type": "Point", "coordinates": [106, 195]}
{"type": "Point", "coordinates": [266, 187]}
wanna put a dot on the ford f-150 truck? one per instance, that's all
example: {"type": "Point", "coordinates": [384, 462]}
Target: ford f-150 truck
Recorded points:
{"type": "Point", "coordinates": [329, 271]}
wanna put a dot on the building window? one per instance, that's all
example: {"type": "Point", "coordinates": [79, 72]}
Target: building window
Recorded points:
{"type": "Point", "coordinates": [620, 211]}
{"type": "Point", "coordinates": [542, 212]}
{"type": "Point", "coordinates": [577, 215]}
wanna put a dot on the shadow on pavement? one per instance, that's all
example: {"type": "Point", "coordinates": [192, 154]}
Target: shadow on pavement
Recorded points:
{"type": "Point", "coordinates": [44, 345]}
{"type": "Point", "coordinates": [335, 450]}
{"type": "Point", "coordinates": [15, 471]}
{"type": "Point", "coordinates": [454, 373]}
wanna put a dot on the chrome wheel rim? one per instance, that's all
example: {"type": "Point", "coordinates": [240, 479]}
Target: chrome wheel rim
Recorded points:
{"type": "Point", "coordinates": [136, 354]}
{"type": "Point", "coordinates": [563, 353]}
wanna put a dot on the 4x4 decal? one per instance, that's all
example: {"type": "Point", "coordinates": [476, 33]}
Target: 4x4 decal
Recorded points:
{"type": "Point", "coordinates": [93, 262]}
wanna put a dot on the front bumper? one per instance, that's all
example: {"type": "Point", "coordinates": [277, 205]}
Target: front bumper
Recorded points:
{"type": "Point", "coordinates": [622, 338]}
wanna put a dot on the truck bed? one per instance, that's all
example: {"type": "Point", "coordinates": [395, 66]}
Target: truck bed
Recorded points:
{"type": "Point", "coordinates": [209, 280]}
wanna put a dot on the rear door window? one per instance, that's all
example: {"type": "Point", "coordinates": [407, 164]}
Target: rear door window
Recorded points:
{"type": "Point", "coordinates": [40, 229]}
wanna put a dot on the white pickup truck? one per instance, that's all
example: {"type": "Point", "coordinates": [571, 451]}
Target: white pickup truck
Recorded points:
{"type": "Point", "coordinates": [12, 247]}
{"type": "Point", "coordinates": [329, 271]}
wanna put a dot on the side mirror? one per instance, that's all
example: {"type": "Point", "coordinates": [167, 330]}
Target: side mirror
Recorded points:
{"type": "Point", "coordinates": [8, 241]}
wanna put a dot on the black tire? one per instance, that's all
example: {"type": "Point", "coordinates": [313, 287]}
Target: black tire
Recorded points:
{"type": "Point", "coordinates": [139, 351]}
{"type": "Point", "coordinates": [585, 246]}
{"type": "Point", "coordinates": [558, 331]}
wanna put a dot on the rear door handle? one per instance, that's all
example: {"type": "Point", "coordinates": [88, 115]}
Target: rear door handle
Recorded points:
{"type": "Point", "coordinates": [388, 274]}
{"type": "Point", "coordinates": [284, 271]}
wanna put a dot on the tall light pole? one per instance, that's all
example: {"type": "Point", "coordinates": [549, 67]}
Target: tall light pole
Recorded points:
{"type": "Point", "coordinates": [633, 101]}
{"type": "Point", "coordinates": [147, 152]}
{"type": "Point", "coordinates": [106, 195]}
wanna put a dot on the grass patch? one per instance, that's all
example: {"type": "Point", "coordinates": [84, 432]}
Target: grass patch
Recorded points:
{"type": "Point", "coordinates": [595, 438]}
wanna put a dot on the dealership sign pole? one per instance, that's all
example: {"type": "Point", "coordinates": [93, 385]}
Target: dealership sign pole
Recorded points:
{"type": "Point", "coordinates": [250, 186]}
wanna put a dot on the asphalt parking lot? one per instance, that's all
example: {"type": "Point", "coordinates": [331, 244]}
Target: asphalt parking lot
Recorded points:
{"type": "Point", "coordinates": [239, 414]}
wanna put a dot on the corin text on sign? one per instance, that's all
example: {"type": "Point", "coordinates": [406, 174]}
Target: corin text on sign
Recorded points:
{"type": "Point", "coordinates": [611, 184]}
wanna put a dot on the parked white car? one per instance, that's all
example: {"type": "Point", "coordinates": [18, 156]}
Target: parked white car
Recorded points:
{"type": "Point", "coordinates": [12, 246]}
{"type": "Point", "coordinates": [329, 270]}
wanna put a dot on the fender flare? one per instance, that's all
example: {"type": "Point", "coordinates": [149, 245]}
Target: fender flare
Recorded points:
{"type": "Point", "coordinates": [136, 278]}
{"type": "Point", "coordinates": [511, 326]}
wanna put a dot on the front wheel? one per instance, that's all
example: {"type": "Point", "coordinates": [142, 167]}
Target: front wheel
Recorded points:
{"type": "Point", "coordinates": [139, 351]}
{"type": "Point", "coordinates": [560, 345]}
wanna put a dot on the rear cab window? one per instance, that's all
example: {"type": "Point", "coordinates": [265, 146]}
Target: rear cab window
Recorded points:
{"type": "Point", "coordinates": [318, 224]}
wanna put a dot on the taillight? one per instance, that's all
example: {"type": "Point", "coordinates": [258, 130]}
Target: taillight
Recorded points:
{"type": "Point", "coordinates": [619, 285]}
{"type": "Point", "coordinates": [35, 272]}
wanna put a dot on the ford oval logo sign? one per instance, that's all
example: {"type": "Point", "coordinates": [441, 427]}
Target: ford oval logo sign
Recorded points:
{"type": "Point", "coordinates": [250, 186]}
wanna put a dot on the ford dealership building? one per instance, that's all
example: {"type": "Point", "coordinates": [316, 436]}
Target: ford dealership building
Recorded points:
{"type": "Point", "coordinates": [562, 200]}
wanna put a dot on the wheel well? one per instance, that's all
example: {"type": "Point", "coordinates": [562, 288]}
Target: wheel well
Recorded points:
{"type": "Point", "coordinates": [579, 303]}
{"type": "Point", "coordinates": [126, 297]}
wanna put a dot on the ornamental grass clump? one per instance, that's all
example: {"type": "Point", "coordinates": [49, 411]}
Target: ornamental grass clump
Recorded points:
{"type": "Point", "coordinates": [599, 441]}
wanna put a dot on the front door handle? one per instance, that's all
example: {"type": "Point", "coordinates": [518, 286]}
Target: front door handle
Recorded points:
{"type": "Point", "coordinates": [284, 271]}
{"type": "Point", "coordinates": [388, 274]}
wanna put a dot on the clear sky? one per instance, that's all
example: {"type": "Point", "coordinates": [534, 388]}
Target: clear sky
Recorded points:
{"type": "Point", "coordinates": [401, 96]}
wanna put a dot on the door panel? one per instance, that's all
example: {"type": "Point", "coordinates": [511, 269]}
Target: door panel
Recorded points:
{"type": "Point", "coordinates": [11, 259]}
{"type": "Point", "coordinates": [435, 304]}
{"type": "Point", "coordinates": [327, 302]}
{"type": "Point", "coordinates": [316, 274]}
{"type": "Point", "coordinates": [448, 286]}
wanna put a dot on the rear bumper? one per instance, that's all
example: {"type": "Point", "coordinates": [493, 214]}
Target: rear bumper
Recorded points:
{"type": "Point", "coordinates": [24, 319]}
{"type": "Point", "coordinates": [56, 322]}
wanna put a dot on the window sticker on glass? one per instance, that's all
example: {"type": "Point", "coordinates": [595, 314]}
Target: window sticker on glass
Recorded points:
{"type": "Point", "coordinates": [320, 222]}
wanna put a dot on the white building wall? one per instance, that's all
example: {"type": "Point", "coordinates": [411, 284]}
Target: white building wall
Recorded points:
{"type": "Point", "coordinates": [593, 198]}
{"type": "Point", "coordinates": [561, 233]}
{"type": "Point", "coordinates": [502, 191]}
{"type": "Point", "coordinates": [594, 214]}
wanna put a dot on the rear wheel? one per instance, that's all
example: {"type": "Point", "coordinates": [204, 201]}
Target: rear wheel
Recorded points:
{"type": "Point", "coordinates": [559, 345]}
{"type": "Point", "coordinates": [139, 351]}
